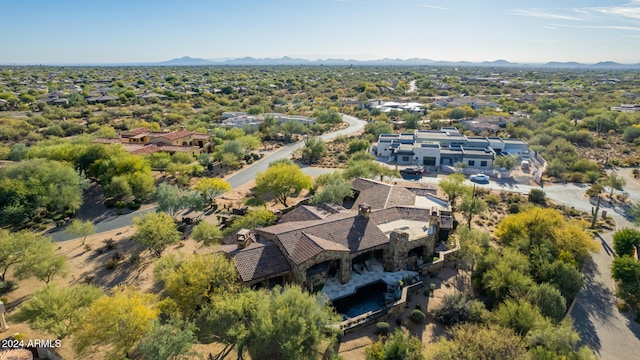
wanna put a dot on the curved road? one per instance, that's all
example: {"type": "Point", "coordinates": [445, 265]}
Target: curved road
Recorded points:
{"type": "Point", "coordinates": [239, 178]}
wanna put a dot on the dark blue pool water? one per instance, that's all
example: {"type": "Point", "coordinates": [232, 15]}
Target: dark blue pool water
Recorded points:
{"type": "Point", "coordinates": [367, 298]}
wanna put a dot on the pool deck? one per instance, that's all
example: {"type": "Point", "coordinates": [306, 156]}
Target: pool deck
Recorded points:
{"type": "Point", "coordinates": [334, 290]}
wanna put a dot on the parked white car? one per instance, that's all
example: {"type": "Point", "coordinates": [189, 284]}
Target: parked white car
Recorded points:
{"type": "Point", "coordinates": [479, 178]}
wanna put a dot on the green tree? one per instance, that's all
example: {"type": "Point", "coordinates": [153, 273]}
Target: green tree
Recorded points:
{"type": "Point", "coordinates": [518, 315]}
{"type": "Point", "coordinates": [614, 182]}
{"type": "Point", "coordinates": [457, 308]}
{"type": "Point", "coordinates": [566, 277]}
{"type": "Point", "coordinates": [478, 342]}
{"type": "Point", "coordinates": [625, 241]}
{"type": "Point", "coordinates": [282, 323]}
{"type": "Point", "coordinates": [549, 300]}
{"type": "Point", "coordinates": [81, 229]}
{"type": "Point", "coordinates": [282, 181]}
{"type": "Point", "coordinates": [156, 230]}
{"type": "Point", "coordinates": [21, 249]}
{"type": "Point", "coordinates": [115, 323]}
{"type": "Point", "coordinates": [472, 205]}
{"type": "Point", "coordinates": [397, 346]}
{"type": "Point", "coordinates": [507, 162]}
{"type": "Point", "coordinates": [357, 145]}
{"type": "Point", "coordinates": [557, 342]}
{"type": "Point", "coordinates": [453, 186]}
{"type": "Point", "coordinates": [377, 128]}
{"type": "Point", "coordinates": [208, 233]}
{"type": "Point", "coordinates": [253, 219]}
{"type": "Point", "coordinates": [171, 199]}
{"type": "Point", "coordinates": [57, 310]}
{"type": "Point", "coordinates": [171, 341]}
{"type": "Point", "coordinates": [43, 265]}
{"type": "Point", "coordinates": [626, 270]}
{"type": "Point", "coordinates": [332, 188]}
{"type": "Point", "coordinates": [17, 152]}
{"type": "Point", "coordinates": [314, 149]}
{"type": "Point", "coordinates": [197, 279]}
{"type": "Point", "coordinates": [473, 244]}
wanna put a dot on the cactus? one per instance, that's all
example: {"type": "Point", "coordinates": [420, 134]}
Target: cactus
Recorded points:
{"type": "Point", "coordinates": [594, 213]}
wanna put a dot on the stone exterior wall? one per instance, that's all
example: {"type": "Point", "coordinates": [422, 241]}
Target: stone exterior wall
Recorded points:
{"type": "Point", "coordinates": [396, 257]}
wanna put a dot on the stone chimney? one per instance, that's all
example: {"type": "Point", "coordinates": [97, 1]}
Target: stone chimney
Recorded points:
{"type": "Point", "coordinates": [243, 239]}
{"type": "Point", "coordinates": [364, 209]}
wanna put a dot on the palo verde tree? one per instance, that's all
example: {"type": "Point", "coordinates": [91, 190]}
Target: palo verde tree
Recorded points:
{"type": "Point", "coordinates": [57, 309]}
{"type": "Point", "coordinates": [282, 323]}
{"type": "Point", "coordinates": [210, 188]}
{"type": "Point", "coordinates": [81, 229]}
{"type": "Point", "coordinates": [282, 181]}
{"type": "Point", "coordinates": [453, 186]}
{"type": "Point", "coordinates": [156, 231]}
{"type": "Point", "coordinates": [115, 322]}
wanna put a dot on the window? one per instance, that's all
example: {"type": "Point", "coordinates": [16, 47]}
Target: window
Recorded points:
{"type": "Point", "coordinates": [483, 163]}
{"type": "Point", "coordinates": [429, 161]}
{"type": "Point", "coordinates": [472, 162]}
{"type": "Point", "coordinates": [405, 158]}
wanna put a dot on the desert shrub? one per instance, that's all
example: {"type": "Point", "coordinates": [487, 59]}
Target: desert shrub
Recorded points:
{"type": "Point", "coordinates": [514, 208]}
{"type": "Point", "coordinates": [537, 196]}
{"type": "Point", "coordinates": [492, 199]}
{"type": "Point", "coordinates": [417, 316]}
{"type": "Point", "coordinates": [110, 244]}
{"type": "Point", "coordinates": [382, 328]}
{"type": "Point", "coordinates": [459, 307]}
{"type": "Point", "coordinates": [111, 263]}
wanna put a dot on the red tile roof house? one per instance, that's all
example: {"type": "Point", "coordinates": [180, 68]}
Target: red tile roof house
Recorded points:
{"type": "Point", "coordinates": [390, 233]}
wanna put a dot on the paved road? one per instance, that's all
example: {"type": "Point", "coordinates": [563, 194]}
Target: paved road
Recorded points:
{"type": "Point", "coordinates": [247, 174]}
{"type": "Point", "coordinates": [241, 177]}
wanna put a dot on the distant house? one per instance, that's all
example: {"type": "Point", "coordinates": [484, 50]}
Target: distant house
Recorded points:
{"type": "Point", "coordinates": [388, 106]}
{"type": "Point", "coordinates": [242, 119]}
{"type": "Point", "coordinates": [153, 96]}
{"type": "Point", "coordinates": [490, 124]}
{"type": "Point", "coordinates": [141, 141]}
{"type": "Point", "coordinates": [472, 102]}
{"type": "Point", "coordinates": [101, 99]}
{"type": "Point", "coordinates": [630, 108]}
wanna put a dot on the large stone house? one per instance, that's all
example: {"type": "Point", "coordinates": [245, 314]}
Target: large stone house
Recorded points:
{"type": "Point", "coordinates": [391, 226]}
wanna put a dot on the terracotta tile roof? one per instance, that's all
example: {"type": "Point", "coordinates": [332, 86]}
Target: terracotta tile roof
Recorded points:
{"type": "Point", "coordinates": [106, 141]}
{"type": "Point", "coordinates": [258, 260]}
{"type": "Point", "coordinates": [176, 134]}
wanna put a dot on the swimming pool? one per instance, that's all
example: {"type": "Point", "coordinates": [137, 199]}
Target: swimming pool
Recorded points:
{"type": "Point", "coordinates": [367, 298]}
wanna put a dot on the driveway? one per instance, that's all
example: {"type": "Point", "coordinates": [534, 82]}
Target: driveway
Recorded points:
{"type": "Point", "coordinates": [236, 180]}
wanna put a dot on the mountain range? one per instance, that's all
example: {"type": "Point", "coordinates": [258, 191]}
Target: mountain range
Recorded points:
{"type": "Point", "coordinates": [289, 61]}
{"type": "Point", "coordinates": [285, 60]}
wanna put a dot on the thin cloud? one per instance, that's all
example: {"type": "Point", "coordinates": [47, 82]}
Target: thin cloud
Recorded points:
{"type": "Point", "coordinates": [599, 27]}
{"type": "Point", "coordinates": [543, 14]}
{"type": "Point", "coordinates": [433, 7]}
{"type": "Point", "coordinates": [630, 10]}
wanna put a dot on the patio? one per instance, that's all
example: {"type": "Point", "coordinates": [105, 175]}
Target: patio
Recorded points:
{"type": "Point", "coordinates": [334, 290]}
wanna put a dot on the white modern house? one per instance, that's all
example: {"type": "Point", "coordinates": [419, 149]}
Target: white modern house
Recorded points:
{"type": "Point", "coordinates": [242, 119]}
{"type": "Point", "coordinates": [446, 146]}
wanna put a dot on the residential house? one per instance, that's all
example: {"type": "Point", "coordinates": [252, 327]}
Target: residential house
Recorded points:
{"type": "Point", "coordinates": [626, 108]}
{"type": "Point", "coordinates": [142, 141]}
{"type": "Point", "coordinates": [390, 227]}
{"type": "Point", "coordinates": [446, 146]}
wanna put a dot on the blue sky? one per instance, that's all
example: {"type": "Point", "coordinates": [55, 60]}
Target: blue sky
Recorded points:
{"type": "Point", "coordinates": [116, 31]}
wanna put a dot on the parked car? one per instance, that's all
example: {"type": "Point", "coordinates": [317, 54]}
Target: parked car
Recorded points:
{"type": "Point", "coordinates": [479, 178]}
{"type": "Point", "coordinates": [415, 170]}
